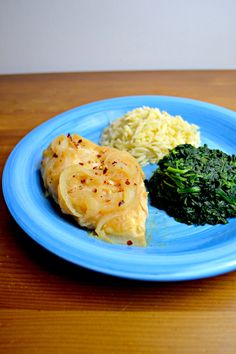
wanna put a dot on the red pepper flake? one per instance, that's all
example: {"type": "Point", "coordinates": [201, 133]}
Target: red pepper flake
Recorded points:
{"type": "Point", "coordinates": [105, 171]}
{"type": "Point", "coordinates": [55, 155]}
{"type": "Point", "coordinates": [80, 141]}
{"type": "Point", "coordinates": [127, 182]}
{"type": "Point", "coordinates": [95, 190]}
{"type": "Point", "coordinates": [95, 167]}
{"type": "Point", "coordinates": [99, 155]}
{"type": "Point", "coordinates": [114, 162]}
{"type": "Point", "coordinates": [129, 242]}
{"type": "Point", "coordinates": [121, 203]}
{"type": "Point", "coordinates": [82, 181]}
{"type": "Point", "coordinates": [81, 163]}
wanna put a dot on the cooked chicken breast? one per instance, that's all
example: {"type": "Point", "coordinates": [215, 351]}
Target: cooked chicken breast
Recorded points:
{"type": "Point", "coordinates": [101, 187]}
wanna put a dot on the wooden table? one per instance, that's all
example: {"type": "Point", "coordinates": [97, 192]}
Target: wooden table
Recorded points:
{"type": "Point", "coordinates": [51, 306]}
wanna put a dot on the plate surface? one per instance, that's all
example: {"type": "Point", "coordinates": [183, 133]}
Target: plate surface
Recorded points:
{"type": "Point", "coordinates": [175, 251]}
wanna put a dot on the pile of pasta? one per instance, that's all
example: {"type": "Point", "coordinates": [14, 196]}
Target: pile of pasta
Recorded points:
{"type": "Point", "coordinates": [149, 134]}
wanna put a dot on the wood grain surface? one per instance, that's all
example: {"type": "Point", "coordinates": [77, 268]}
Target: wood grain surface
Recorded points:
{"type": "Point", "coordinates": [48, 305]}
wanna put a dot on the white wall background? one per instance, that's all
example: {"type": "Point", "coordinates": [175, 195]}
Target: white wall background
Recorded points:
{"type": "Point", "coordinates": [90, 35]}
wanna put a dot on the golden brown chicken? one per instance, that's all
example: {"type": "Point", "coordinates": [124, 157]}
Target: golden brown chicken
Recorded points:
{"type": "Point", "coordinates": [101, 187]}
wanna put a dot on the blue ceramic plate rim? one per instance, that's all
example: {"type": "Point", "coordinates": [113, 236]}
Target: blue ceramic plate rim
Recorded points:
{"type": "Point", "coordinates": [122, 261]}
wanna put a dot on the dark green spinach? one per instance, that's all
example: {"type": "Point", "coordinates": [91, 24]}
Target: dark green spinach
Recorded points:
{"type": "Point", "coordinates": [195, 185]}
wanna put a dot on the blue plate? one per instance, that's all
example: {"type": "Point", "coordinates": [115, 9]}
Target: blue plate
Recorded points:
{"type": "Point", "coordinates": [175, 251]}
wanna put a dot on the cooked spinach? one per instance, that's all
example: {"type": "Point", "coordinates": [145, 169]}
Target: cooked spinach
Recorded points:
{"type": "Point", "coordinates": [195, 185]}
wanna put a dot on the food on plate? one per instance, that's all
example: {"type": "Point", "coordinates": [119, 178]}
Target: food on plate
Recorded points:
{"type": "Point", "coordinates": [65, 151]}
{"type": "Point", "coordinates": [101, 187]}
{"type": "Point", "coordinates": [148, 134]}
{"type": "Point", "coordinates": [195, 185]}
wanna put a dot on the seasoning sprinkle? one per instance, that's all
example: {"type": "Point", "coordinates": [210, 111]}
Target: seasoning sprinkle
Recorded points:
{"type": "Point", "coordinates": [70, 137]}
{"type": "Point", "coordinates": [121, 203]}
{"type": "Point", "coordinates": [129, 242]}
{"type": "Point", "coordinates": [105, 170]}
{"type": "Point", "coordinates": [55, 155]}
